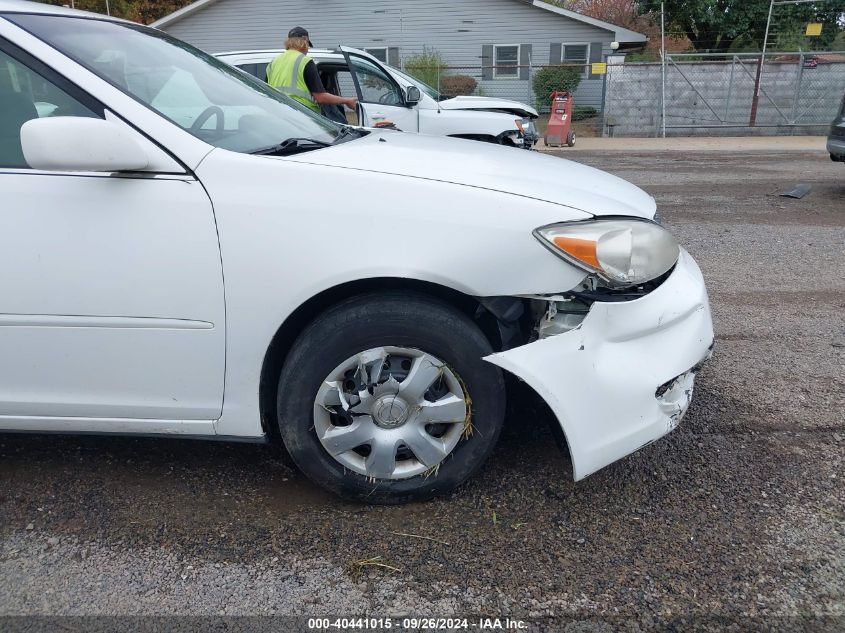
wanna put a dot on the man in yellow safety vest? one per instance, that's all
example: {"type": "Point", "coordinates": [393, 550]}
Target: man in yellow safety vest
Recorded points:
{"type": "Point", "coordinates": [295, 74]}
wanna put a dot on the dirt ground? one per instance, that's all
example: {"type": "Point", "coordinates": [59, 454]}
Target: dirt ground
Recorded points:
{"type": "Point", "coordinates": [736, 519]}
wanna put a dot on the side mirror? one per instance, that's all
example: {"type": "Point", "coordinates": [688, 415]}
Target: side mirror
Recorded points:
{"type": "Point", "coordinates": [412, 95]}
{"type": "Point", "coordinates": [68, 143]}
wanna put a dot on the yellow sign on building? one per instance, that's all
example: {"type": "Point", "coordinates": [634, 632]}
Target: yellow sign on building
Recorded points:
{"type": "Point", "coordinates": [814, 29]}
{"type": "Point", "coordinates": [599, 68]}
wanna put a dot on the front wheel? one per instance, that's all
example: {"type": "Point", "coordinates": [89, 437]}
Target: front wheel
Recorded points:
{"type": "Point", "coordinates": [386, 399]}
{"type": "Point", "coordinates": [570, 140]}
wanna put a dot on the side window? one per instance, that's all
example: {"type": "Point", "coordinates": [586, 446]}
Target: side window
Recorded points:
{"type": "Point", "coordinates": [26, 95]}
{"type": "Point", "coordinates": [345, 85]}
{"type": "Point", "coordinates": [379, 53]}
{"type": "Point", "coordinates": [340, 82]}
{"type": "Point", "coordinates": [256, 70]}
{"type": "Point", "coordinates": [376, 86]}
{"type": "Point", "coordinates": [576, 54]}
{"type": "Point", "coordinates": [506, 62]}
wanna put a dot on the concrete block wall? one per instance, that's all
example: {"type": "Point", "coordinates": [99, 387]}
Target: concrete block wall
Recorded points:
{"type": "Point", "coordinates": [714, 98]}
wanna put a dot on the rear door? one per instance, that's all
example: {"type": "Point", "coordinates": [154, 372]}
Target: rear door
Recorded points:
{"type": "Point", "coordinates": [380, 97]}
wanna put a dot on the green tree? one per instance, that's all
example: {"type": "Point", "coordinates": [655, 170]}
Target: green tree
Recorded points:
{"type": "Point", "coordinates": [144, 11]}
{"type": "Point", "coordinates": [714, 25]}
{"type": "Point", "coordinates": [427, 66]}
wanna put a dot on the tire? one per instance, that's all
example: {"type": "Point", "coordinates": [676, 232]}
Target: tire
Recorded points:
{"type": "Point", "coordinates": [570, 140]}
{"type": "Point", "coordinates": [410, 323]}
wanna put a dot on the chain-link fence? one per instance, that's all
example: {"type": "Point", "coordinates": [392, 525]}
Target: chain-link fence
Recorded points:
{"type": "Point", "coordinates": [513, 82]}
{"type": "Point", "coordinates": [799, 93]}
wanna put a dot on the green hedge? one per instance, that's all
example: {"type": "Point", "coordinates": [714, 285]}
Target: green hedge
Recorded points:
{"type": "Point", "coordinates": [584, 112]}
{"type": "Point", "coordinates": [552, 78]}
{"type": "Point", "coordinates": [457, 85]}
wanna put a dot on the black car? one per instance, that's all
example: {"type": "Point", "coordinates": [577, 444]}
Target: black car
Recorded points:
{"type": "Point", "coordinates": [836, 138]}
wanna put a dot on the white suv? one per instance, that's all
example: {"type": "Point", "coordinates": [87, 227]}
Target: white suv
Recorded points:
{"type": "Point", "coordinates": [388, 95]}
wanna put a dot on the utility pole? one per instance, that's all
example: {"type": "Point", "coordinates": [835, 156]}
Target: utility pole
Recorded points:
{"type": "Point", "coordinates": [108, 10]}
{"type": "Point", "coordinates": [663, 68]}
{"type": "Point", "coordinates": [756, 98]}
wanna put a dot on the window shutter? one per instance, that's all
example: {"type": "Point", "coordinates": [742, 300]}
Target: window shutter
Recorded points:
{"type": "Point", "coordinates": [487, 61]}
{"type": "Point", "coordinates": [393, 56]}
{"type": "Point", "coordinates": [555, 52]}
{"type": "Point", "coordinates": [595, 56]}
{"type": "Point", "coordinates": [524, 60]}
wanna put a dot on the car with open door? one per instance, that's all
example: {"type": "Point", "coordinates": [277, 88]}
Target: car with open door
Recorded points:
{"type": "Point", "coordinates": [190, 253]}
{"type": "Point", "coordinates": [388, 96]}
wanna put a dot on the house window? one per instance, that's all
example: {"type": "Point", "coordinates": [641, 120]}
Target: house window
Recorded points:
{"type": "Point", "coordinates": [256, 70]}
{"type": "Point", "coordinates": [576, 54]}
{"type": "Point", "coordinates": [506, 61]}
{"type": "Point", "coordinates": [379, 53]}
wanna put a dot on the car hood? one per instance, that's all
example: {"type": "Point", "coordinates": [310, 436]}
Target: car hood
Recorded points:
{"type": "Point", "coordinates": [488, 103]}
{"type": "Point", "coordinates": [508, 170]}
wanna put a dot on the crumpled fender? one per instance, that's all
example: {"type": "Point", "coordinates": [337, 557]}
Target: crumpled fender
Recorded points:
{"type": "Point", "coordinates": [601, 378]}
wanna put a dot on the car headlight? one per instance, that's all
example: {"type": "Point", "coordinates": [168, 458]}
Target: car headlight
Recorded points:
{"type": "Point", "coordinates": [622, 252]}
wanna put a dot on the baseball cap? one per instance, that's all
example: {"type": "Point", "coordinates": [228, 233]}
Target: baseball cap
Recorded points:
{"type": "Point", "coordinates": [298, 31]}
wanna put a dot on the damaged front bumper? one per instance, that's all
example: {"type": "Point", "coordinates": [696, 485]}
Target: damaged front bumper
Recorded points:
{"type": "Point", "coordinates": [624, 377]}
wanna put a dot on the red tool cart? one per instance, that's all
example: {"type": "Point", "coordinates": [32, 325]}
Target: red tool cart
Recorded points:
{"type": "Point", "coordinates": [559, 132]}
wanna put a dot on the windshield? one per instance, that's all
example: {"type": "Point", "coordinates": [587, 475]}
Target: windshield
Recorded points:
{"type": "Point", "coordinates": [204, 96]}
{"type": "Point", "coordinates": [431, 92]}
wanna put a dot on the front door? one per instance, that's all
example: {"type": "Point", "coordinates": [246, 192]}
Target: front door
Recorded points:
{"type": "Point", "coordinates": [111, 291]}
{"type": "Point", "coordinates": [381, 98]}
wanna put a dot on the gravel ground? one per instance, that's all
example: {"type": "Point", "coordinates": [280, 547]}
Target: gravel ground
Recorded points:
{"type": "Point", "coordinates": [738, 514]}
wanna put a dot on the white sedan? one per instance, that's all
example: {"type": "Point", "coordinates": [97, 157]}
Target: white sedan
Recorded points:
{"type": "Point", "coordinates": [188, 252]}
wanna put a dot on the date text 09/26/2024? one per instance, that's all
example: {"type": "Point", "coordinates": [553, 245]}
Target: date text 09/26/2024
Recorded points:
{"type": "Point", "coordinates": [416, 624]}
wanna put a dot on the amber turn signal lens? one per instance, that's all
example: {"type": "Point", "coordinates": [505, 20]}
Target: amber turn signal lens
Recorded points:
{"type": "Point", "coordinates": [582, 250]}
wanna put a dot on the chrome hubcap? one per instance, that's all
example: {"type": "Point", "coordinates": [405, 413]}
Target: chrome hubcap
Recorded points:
{"type": "Point", "coordinates": [391, 412]}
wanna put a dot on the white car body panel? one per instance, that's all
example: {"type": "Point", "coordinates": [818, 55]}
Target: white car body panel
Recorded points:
{"type": "Point", "coordinates": [270, 241]}
{"type": "Point", "coordinates": [485, 166]}
{"type": "Point", "coordinates": [406, 119]}
{"type": "Point", "coordinates": [600, 378]}
{"type": "Point", "coordinates": [471, 102]}
{"type": "Point", "coordinates": [439, 122]}
{"type": "Point", "coordinates": [116, 306]}
{"type": "Point", "coordinates": [116, 318]}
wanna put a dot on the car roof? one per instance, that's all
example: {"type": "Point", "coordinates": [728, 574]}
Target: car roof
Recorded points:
{"type": "Point", "coordinates": [323, 53]}
{"type": "Point", "coordinates": [23, 6]}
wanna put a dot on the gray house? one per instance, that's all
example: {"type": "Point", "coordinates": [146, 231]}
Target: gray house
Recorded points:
{"type": "Point", "coordinates": [495, 41]}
